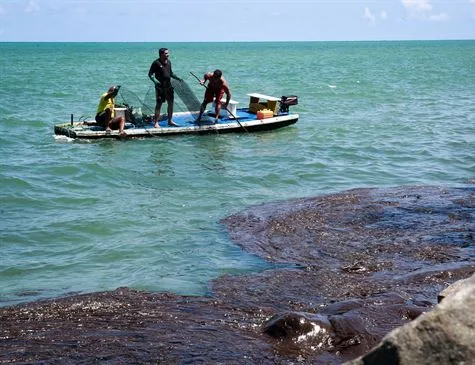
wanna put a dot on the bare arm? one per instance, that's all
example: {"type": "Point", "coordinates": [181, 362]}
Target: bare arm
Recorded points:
{"type": "Point", "coordinates": [155, 81]}
{"type": "Point", "coordinates": [173, 76]}
{"type": "Point", "coordinates": [206, 77]}
{"type": "Point", "coordinates": [227, 90]}
{"type": "Point", "coordinates": [151, 75]}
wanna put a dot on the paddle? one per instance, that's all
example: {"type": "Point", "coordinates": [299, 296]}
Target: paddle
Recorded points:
{"type": "Point", "coordinates": [237, 120]}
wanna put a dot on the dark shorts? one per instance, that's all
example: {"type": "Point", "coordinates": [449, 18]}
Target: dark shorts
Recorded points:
{"type": "Point", "coordinates": [164, 94]}
{"type": "Point", "coordinates": [101, 119]}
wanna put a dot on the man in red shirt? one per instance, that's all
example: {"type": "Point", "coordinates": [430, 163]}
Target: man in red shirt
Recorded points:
{"type": "Point", "coordinates": [217, 87]}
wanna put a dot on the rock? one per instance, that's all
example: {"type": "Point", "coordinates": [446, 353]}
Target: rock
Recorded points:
{"type": "Point", "coordinates": [366, 260]}
{"type": "Point", "coordinates": [456, 287]}
{"type": "Point", "coordinates": [442, 336]}
{"type": "Point", "coordinates": [343, 306]}
{"type": "Point", "coordinates": [337, 331]}
{"type": "Point", "coordinates": [349, 330]}
{"type": "Point", "coordinates": [295, 326]}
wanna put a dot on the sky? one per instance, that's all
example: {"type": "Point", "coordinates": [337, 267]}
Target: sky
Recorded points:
{"type": "Point", "coordinates": [234, 20]}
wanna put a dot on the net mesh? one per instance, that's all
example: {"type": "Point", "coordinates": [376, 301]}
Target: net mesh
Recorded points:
{"type": "Point", "coordinates": [141, 111]}
{"type": "Point", "coordinates": [186, 95]}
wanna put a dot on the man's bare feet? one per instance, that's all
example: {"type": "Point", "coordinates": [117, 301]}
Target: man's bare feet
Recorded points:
{"type": "Point", "coordinates": [156, 125]}
{"type": "Point", "coordinates": [172, 123]}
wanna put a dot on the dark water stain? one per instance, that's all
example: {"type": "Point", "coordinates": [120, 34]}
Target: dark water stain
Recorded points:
{"type": "Point", "coordinates": [365, 261]}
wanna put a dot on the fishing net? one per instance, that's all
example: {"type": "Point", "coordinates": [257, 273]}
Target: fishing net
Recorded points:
{"type": "Point", "coordinates": [186, 95]}
{"type": "Point", "coordinates": [186, 100]}
{"type": "Point", "coordinates": [137, 112]}
{"type": "Point", "coordinates": [140, 112]}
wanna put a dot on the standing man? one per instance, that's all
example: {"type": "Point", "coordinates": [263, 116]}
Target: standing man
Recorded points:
{"type": "Point", "coordinates": [161, 74]}
{"type": "Point", "coordinates": [216, 88]}
{"type": "Point", "coordinates": [105, 115]}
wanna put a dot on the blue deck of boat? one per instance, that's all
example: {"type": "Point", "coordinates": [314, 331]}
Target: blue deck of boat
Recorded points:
{"type": "Point", "coordinates": [187, 120]}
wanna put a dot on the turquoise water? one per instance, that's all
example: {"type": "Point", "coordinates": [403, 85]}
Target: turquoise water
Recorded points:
{"type": "Point", "coordinates": [90, 216]}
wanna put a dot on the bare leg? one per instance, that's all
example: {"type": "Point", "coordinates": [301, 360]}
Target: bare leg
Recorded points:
{"type": "Point", "coordinates": [202, 110]}
{"type": "Point", "coordinates": [170, 114]}
{"type": "Point", "coordinates": [118, 123]}
{"type": "Point", "coordinates": [122, 126]}
{"type": "Point", "coordinates": [156, 118]}
{"type": "Point", "coordinates": [217, 111]}
{"type": "Point", "coordinates": [108, 113]}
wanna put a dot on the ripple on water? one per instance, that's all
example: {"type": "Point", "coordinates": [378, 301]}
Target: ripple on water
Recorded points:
{"type": "Point", "coordinates": [146, 212]}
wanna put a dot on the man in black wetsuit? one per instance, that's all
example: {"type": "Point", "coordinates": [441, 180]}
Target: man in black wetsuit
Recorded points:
{"type": "Point", "coordinates": [161, 74]}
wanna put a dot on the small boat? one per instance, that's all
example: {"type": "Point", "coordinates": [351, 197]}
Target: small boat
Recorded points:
{"type": "Point", "coordinates": [263, 113]}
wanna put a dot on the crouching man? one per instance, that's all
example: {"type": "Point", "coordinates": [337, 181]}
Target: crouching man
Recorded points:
{"type": "Point", "coordinates": [105, 116]}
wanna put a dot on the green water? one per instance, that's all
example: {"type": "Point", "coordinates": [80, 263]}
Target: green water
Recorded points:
{"type": "Point", "coordinates": [89, 216]}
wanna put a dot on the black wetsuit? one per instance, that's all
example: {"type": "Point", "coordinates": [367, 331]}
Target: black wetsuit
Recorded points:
{"type": "Point", "coordinates": [163, 73]}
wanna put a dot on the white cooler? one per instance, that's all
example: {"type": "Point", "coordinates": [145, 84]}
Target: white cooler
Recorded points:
{"type": "Point", "coordinates": [232, 107]}
{"type": "Point", "coordinates": [120, 112]}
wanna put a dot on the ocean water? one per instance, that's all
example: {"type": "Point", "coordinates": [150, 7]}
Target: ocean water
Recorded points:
{"type": "Point", "coordinates": [78, 217]}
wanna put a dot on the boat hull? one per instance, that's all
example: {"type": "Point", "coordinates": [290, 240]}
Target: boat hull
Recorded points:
{"type": "Point", "coordinates": [245, 123]}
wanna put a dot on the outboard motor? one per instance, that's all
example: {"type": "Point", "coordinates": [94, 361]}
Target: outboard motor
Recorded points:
{"type": "Point", "coordinates": [286, 101]}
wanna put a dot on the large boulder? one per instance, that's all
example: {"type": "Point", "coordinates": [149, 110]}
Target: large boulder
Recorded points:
{"type": "Point", "coordinates": [456, 287]}
{"type": "Point", "coordinates": [445, 335]}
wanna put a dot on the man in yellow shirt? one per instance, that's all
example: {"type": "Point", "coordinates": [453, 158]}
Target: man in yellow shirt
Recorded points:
{"type": "Point", "coordinates": [105, 115]}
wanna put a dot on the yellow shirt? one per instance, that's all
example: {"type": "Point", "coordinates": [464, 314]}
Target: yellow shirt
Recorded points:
{"type": "Point", "coordinates": [104, 104]}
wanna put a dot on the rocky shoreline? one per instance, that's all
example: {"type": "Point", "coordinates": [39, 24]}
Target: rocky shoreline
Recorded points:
{"type": "Point", "coordinates": [355, 266]}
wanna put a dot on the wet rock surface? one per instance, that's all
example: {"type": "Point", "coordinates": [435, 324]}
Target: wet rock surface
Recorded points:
{"type": "Point", "coordinates": [438, 337]}
{"type": "Point", "coordinates": [350, 268]}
